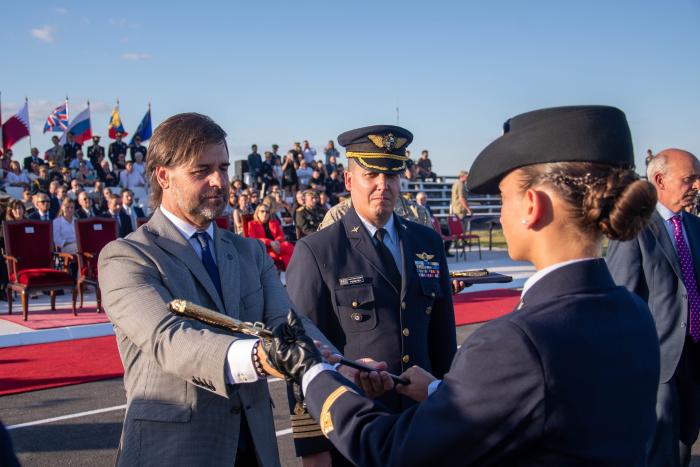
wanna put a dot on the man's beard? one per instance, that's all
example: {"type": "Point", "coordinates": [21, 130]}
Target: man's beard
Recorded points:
{"type": "Point", "coordinates": [200, 211]}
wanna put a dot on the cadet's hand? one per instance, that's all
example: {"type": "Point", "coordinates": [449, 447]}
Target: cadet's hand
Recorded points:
{"type": "Point", "coordinates": [374, 383]}
{"type": "Point", "coordinates": [290, 351]}
{"type": "Point", "coordinates": [458, 286]}
{"type": "Point", "coordinates": [321, 459]}
{"type": "Point", "coordinates": [267, 368]}
{"type": "Point", "coordinates": [419, 379]}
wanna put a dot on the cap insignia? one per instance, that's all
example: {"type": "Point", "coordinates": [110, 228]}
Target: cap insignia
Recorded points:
{"type": "Point", "coordinates": [388, 142]}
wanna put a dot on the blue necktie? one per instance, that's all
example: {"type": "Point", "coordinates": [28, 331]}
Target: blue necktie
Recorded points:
{"type": "Point", "coordinates": [208, 260]}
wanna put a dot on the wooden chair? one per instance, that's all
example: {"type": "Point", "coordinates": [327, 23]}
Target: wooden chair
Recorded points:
{"type": "Point", "coordinates": [91, 236]}
{"type": "Point", "coordinates": [454, 224]}
{"type": "Point", "coordinates": [30, 260]}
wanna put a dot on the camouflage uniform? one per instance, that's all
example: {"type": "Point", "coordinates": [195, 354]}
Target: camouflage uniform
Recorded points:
{"type": "Point", "coordinates": [404, 208]}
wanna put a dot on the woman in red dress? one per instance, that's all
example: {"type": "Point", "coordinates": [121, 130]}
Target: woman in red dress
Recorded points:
{"type": "Point", "coordinates": [270, 232]}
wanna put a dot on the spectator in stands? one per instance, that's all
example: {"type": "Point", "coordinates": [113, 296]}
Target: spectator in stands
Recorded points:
{"type": "Point", "coordinates": [41, 207]}
{"type": "Point", "coordinates": [320, 167]}
{"type": "Point", "coordinates": [75, 189]}
{"type": "Point", "coordinates": [71, 148]}
{"type": "Point", "coordinates": [266, 229]}
{"type": "Point", "coordinates": [27, 201]}
{"type": "Point", "coordinates": [309, 152]}
{"type": "Point", "coordinates": [331, 154]}
{"type": "Point", "coordinates": [323, 203]}
{"type": "Point", "coordinates": [298, 200]}
{"type": "Point", "coordinates": [41, 183]}
{"type": "Point", "coordinates": [33, 172]}
{"type": "Point", "coordinates": [136, 147]}
{"type": "Point", "coordinates": [459, 206]}
{"type": "Point", "coordinates": [304, 173]}
{"type": "Point", "coordinates": [297, 152]}
{"type": "Point", "coordinates": [132, 211]}
{"type": "Point", "coordinates": [267, 170]}
{"type": "Point", "coordinates": [309, 216]}
{"type": "Point", "coordinates": [422, 200]}
{"type": "Point", "coordinates": [120, 163]}
{"type": "Point", "coordinates": [107, 175]}
{"type": "Point", "coordinates": [5, 160]}
{"type": "Point", "coordinates": [316, 181]}
{"type": "Point", "coordinates": [54, 203]}
{"type": "Point", "coordinates": [55, 172]}
{"type": "Point", "coordinates": [114, 211]}
{"type": "Point", "coordinates": [241, 210]}
{"type": "Point", "coordinates": [129, 178]}
{"type": "Point", "coordinates": [106, 194]}
{"type": "Point", "coordinates": [275, 156]}
{"type": "Point", "coordinates": [253, 201]}
{"type": "Point", "coordinates": [255, 166]}
{"type": "Point", "coordinates": [139, 164]}
{"type": "Point", "coordinates": [15, 177]}
{"type": "Point", "coordinates": [15, 212]}
{"type": "Point", "coordinates": [117, 148]}
{"type": "Point", "coordinates": [334, 186]}
{"type": "Point", "coordinates": [425, 167]}
{"type": "Point", "coordinates": [32, 159]}
{"type": "Point", "coordinates": [79, 157]}
{"type": "Point", "coordinates": [277, 171]}
{"type": "Point", "coordinates": [331, 165]}
{"type": "Point", "coordinates": [56, 154]}
{"type": "Point", "coordinates": [649, 157]}
{"type": "Point", "coordinates": [86, 210]}
{"type": "Point", "coordinates": [290, 180]}
{"type": "Point", "coordinates": [84, 175]}
{"type": "Point", "coordinates": [64, 228]}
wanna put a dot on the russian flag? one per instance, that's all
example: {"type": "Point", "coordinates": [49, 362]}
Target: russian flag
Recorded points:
{"type": "Point", "coordinates": [80, 127]}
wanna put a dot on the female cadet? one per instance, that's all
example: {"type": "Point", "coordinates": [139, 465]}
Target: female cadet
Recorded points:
{"type": "Point", "coordinates": [570, 376]}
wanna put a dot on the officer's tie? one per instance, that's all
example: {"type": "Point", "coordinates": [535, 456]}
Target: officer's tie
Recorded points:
{"type": "Point", "coordinates": [387, 258]}
{"type": "Point", "coordinates": [208, 260]}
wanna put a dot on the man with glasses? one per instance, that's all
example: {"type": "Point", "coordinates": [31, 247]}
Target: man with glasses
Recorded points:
{"type": "Point", "coordinates": [41, 206]}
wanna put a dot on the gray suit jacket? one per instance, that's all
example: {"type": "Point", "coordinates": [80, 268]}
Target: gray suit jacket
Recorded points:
{"type": "Point", "coordinates": [649, 266]}
{"type": "Point", "coordinates": [180, 409]}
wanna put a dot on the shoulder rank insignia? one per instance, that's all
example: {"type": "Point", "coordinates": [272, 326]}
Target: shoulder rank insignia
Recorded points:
{"type": "Point", "coordinates": [387, 142]}
{"type": "Point", "coordinates": [425, 256]}
{"type": "Point", "coordinates": [355, 229]}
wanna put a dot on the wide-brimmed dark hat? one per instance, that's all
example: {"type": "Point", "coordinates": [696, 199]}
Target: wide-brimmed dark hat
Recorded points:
{"type": "Point", "coordinates": [587, 133]}
{"type": "Point", "coordinates": [378, 148]}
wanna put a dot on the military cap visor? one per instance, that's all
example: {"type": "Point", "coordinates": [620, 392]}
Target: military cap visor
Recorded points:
{"type": "Point", "coordinates": [597, 134]}
{"type": "Point", "coordinates": [378, 148]}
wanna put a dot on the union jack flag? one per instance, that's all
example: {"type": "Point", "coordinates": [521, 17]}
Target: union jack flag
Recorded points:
{"type": "Point", "coordinates": [57, 119]}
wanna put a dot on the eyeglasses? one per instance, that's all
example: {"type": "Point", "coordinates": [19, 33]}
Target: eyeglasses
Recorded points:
{"type": "Point", "coordinates": [42, 201]}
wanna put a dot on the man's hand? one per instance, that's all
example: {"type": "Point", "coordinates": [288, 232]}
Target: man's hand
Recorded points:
{"type": "Point", "coordinates": [321, 459]}
{"type": "Point", "coordinates": [419, 379]}
{"type": "Point", "coordinates": [374, 383]}
{"type": "Point", "coordinates": [275, 245]}
{"type": "Point", "coordinates": [458, 286]}
{"type": "Point", "coordinates": [290, 351]}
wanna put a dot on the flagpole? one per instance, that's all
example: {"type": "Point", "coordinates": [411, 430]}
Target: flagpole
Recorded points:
{"type": "Point", "coordinates": [29, 125]}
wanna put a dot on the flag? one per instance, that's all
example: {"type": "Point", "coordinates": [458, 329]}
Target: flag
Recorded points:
{"type": "Point", "coordinates": [16, 127]}
{"type": "Point", "coordinates": [2, 147]}
{"type": "Point", "coordinates": [57, 119]}
{"type": "Point", "coordinates": [80, 127]}
{"type": "Point", "coordinates": [115, 123]}
{"type": "Point", "coordinates": [144, 130]}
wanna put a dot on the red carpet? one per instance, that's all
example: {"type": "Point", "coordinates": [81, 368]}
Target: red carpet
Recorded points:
{"type": "Point", "coordinates": [45, 319]}
{"type": "Point", "coordinates": [41, 366]}
{"type": "Point", "coordinates": [477, 307]}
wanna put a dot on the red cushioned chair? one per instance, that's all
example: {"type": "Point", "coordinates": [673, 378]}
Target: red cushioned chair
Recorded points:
{"type": "Point", "coordinates": [438, 228]}
{"type": "Point", "coordinates": [141, 220]}
{"type": "Point", "coordinates": [455, 227]}
{"type": "Point", "coordinates": [224, 222]}
{"type": "Point", "coordinates": [30, 259]}
{"type": "Point", "coordinates": [91, 236]}
{"type": "Point", "coordinates": [246, 219]}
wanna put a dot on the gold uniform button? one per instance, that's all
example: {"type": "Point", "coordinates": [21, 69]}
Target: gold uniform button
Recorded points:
{"type": "Point", "coordinates": [406, 332]}
{"type": "Point", "coordinates": [356, 317]}
{"type": "Point", "coordinates": [428, 310]}
{"type": "Point", "coordinates": [355, 303]}
{"type": "Point", "coordinates": [403, 305]}
{"type": "Point", "coordinates": [405, 358]}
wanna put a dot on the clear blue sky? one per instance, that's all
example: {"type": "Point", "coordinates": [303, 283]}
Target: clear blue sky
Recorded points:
{"type": "Point", "coordinates": [286, 71]}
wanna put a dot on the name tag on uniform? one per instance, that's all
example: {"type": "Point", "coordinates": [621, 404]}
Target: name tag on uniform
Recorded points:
{"type": "Point", "coordinates": [352, 280]}
{"type": "Point", "coordinates": [428, 269]}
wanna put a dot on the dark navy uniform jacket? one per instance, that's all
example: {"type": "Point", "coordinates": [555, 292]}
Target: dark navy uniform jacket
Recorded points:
{"type": "Point", "coordinates": [569, 378]}
{"type": "Point", "coordinates": [337, 279]}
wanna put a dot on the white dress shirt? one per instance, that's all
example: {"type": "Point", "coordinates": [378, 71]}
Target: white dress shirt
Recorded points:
{"type": "Point", "coordinates": [239, 366]}
{"type": "Point", "coordinates": [391, 239]}
{"type": "Point", "coordinates": [64, 234]}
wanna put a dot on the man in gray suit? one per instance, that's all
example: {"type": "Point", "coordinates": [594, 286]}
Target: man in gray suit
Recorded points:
{"type": "Point", "coordinates": [662, 265]}
{"type": "Point", "coordinates": [195, 394]}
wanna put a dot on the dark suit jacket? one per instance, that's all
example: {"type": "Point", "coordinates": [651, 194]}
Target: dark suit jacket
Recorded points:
{"type": "Point", "coordinates": [648, 266]}
{"type": "Point", "coordinates": [337, 279]}
{"type": "Point", "coordinates": [35, 216]}
{"type": "Point", "coordinates": [124, 223]}
{"type": "Point", "coordinates": [27, 163]}
{"type": "Point", "coordinates": [80, 213]}
{"type": "Point", "coordinates": [569, 378]}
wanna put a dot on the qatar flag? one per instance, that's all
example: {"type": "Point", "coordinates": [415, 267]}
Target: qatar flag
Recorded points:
{"type": "Point", "coordinates": [16, 127]}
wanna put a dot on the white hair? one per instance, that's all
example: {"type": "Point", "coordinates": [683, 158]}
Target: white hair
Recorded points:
{"type": "Point", "coordinates": [657, 165]}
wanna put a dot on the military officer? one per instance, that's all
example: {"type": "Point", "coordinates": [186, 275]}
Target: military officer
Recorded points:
{"type": "Point", "coordinates": [376, 284]}
{"type": "Point", "coordinates": [71, 148]}
{"type": "Point", "coordinates": [135, 147]}
{"type": "Point", "coordinates": [406, 208]}
{"type": "Point", "coordinates": [309, 216]}
{"type": "Point", "coordinates": [95, 152]}
{"type": "Point", "coordinates": [116, 148]}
